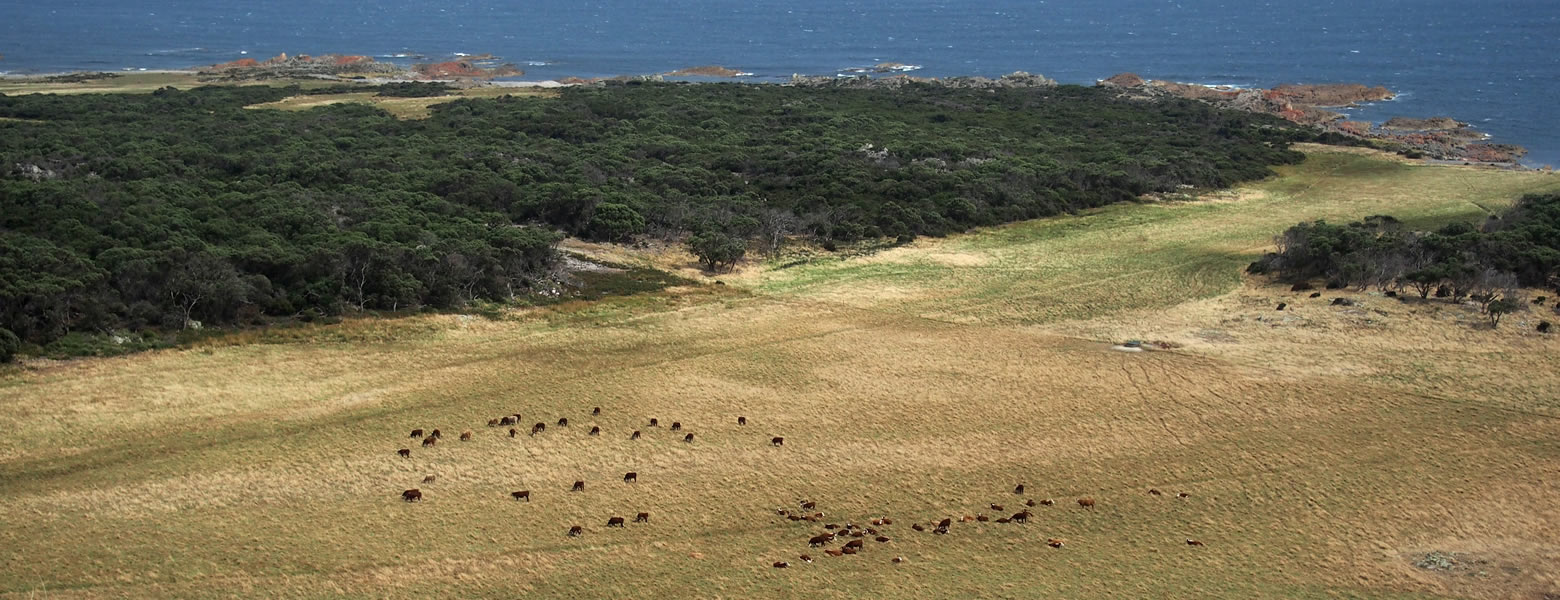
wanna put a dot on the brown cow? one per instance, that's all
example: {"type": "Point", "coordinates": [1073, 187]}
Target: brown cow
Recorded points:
{"type": "Point", "coordinates": [996, 507]}
{"type": "Point", "coordinates": [1192, 542]}
{"type": "Point", "coordinates": [808, 505]}
{"type": "Point", "coordinates": [806, 559]}
{"type": "Point", "coordinates": [888, 521]}
{"type": "Point", "coordinates": [819, 540]}
{"type": "Point", "coordinates": [513, 432]}
{"type": "Point", "coordinates": [676, 425]}
{"type": "Point", "coordinates": [835, 553]}
{"type": "Point", "coordinates": [779, 441]}
{"type": "Point", "coordinates": [404, 452]}
{"type": "Point", "coordinates": [1004, 520]}
{"type": "Point", "coordinates": [918, 527]}
{"type": "Point", "coordinates": [966, 518]}
{"type": "Point", "coordinates": [508, 421]}
{"type": "Point", "coordinates": [899, 559]}
{"type": "Point", "coordinates": [940, 530]}
{"type": "Point", "coordinates": [429, 441]}
{"type": "Point", "coordinates": [849, 550]}
{"type": "Point", "coordinates": [1047, 502]}
{"type": "Point", "coordinates": [1030, 502]}
{"type": "Point", "coordinates": [521, 495]}
{"type": "Point", "coordinates": [1086, 503]}
{"type": "Point", "coordinates": [854, 544]}
{"type": "Point", "coordinates": [576, 531]}
{"type": "Point", "coordinates": [882, 539]}
{"type": "Point", "coordinates": [412, 495]}
{"type": "Point", "coordinates": [430, 478]}
{"type": "Point", "coordinates": [1021, 517]}
{"type": "Point", "coordinates": [436, 434]}
{"type": "Point", "coordinates": [982, 518]}
{"type": "Point", "coordinates": [742, 420]}
{"type": "Point", "coordinates": [643, 517]}
{"type": "Point", "coordinates": [688, 438]}
{"type": "Point", "coordinates": [945, 523]}
{"type": "Point", "coordinates": [563, 422]}
{"type": "Point", "coordinates": [782, 564]}
{"type": "Point", "coordinates": [1019, 490]}
{"type": "Point", "coordinates": [654, 423]}
{"type": "Point", "coordinates": [465, 436]}
{"type": "Point", "coordinates": [794, 517]}
{"type": "Point", "coordinates": [492, 422]}
{"type": "Point", "coordinates": [579, 486]}
{"type": "Point", "coordinates": [635, 436]}
{"type": "Point", "coordinates": [630, 477]}
{"type": "Point", "coordinates": [1183, 495]}
{"type": "Point", "coordinates": [595, 430]}
{"type": "Point", "coordinates": [1055, 543]}
{"type": "Point", "coordinates": [1154, 492]}
{"type": "Point", "coordinates": [595, 412]}
{"type": "Point", "coordinates": [538, 428]}
{"type": "Point", "coordinates": [416, 433]}
{"type": "Point", "coordinates": [615, 522]}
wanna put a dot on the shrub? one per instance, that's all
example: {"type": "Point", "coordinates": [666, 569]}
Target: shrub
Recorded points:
{"type": "Point", "coordinates": [9, 344]}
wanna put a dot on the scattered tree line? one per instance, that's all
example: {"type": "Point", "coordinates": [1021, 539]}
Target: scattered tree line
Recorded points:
{"type": "Point", "coordinates": [1489, 264]}
{"type": "Point", "coordinates": [157, 211]}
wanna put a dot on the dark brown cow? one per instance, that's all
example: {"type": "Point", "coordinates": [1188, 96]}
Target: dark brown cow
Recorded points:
{"type": "Point", "coordinates": [576, 531]}
{"type": "Point", "coordinates": [635, 436]}
{"type": "Point", "coordinates": [1055, 543]}
{"type": "Point", "coordinates": [579, 486]}
{"type": "Point", "coordinates": [806, 559]}
{"type": "Point", "coordinates": [831, 526]}
{"type": "Point", "coordinates": [996, 507]}
{"type": "Point", "coordinates": [888, 521]}
{"type": "Point", "coordinates": [834, 553]}
{"type": "Point", "coordinates": [1154, 492]}
{"type": "Point", "coordinates": [630, 477]}
{"type": "Point", "coordinates": [819, 540]}
{"type": "Point", "coordinates": [521, 495]}
{"type": "Point", "coordinates": [1047, 502]}
{"type": "Point", "coordinates": [688, 438]}
{"type": "Point", "coordinates": [404, 452]}
{"type": "Point", "coordinates": [1019, 490]}
{"type": "Point", "coordinates": [940, 530]}
{"type": "Point", "coordinates": [429, 478]}
{"type": "Point", "coordinates": [595, 430]}
{"type": "Point", "coordinates": [416, 433]}
{"type": "Point", "coordinates": [492, 422]}
{"type": "Point", "coordinates": [918, 527]}
{"type": "Point", "coordinates": [429, 441]}
{"type": "Point", "coordinates": [513, 432]}
{"type": "Point", "coordinates": [1004, 520]}
{"type": "Point", "coordinates": [436, 434]}
{"type": "Point", "coordinates": [1183, 495]}
{"type": "Point", "coordinates": [1020, 517]}
{"type": "Point", "coordinates": [899, 559]}
{"type": "Point", "coordinates": [854, 544]}
{"type": "Point", "coordinates": [1086, 503]}
{"type": "Point", "coordinates": [643, 517]}
{"type": "Point", "coordinates": [782, 564]}
{"type": "Point", "coordinates": [1030, 502]}
{"type": "Point", "coordinates": [794, 517]}
{"type": "Point", "coordinates": [563, 422]}
{"type": "Point", "coordinates": [779, 441]}
{"type": "Point", "coordinates": [595, 412]}
{"type": "Point", "coordinates": [882, 539]}
{"type": "Point", "coordinates": [808, 505]}
{"type": "Point", "coordinates": [538, 428]}
{"type": "Point", "coordinates": [508, 421]}
{"type": "Point", "coordinates": [676, 425]}
{"type": "Point", "coordinates": [654, 422]}
{"type": "Point", "coordinates": [742, 420]}
{"type": "Point", "coordinates": [849, 550]}
{"type": "Point", "coordinates": [982, 518]}
{"type": "Point", "coordinates": [465, 436]}
{"type": "Point", "coordinates": [615, 522]}
{"type": "Point", "coordinates": [945, 523]}
{"type": "Point", "coordinates": [412, 495]}
{"type": "Point", "coordinates": [1192, 542]}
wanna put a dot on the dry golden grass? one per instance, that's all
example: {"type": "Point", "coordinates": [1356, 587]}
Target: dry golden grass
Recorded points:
{"type": "Point", "coordinates": [1323, 455]}
{"type": "Point", "coordinates": [131, 83]}
{"type": "Point", "coordinates": [403, 108]}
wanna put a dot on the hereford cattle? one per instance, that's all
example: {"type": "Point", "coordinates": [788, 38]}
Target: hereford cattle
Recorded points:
{"type": "Point", "coordinates": [1047, 502]}
{"type": "Point", "coordinates": [883, 539]}
{"type": "Point", "coordinates": [1055, 543]}
{"type": "Point", "coordinates": [404, 452]}
{"type": "Point", "coordinates": [1019, 490]}
{"type": "Point", "coordinates": [899, 559]}
{"type": "Point", "coordinates": [615, 522]}
{"type": "Point", "coordinates": [806, 559]}
{"type": "Point", "coordinates": [782, 564]}
{"type": "Point", "coordinates": [878, 522]}
{"type": "Point", "coordinates": [918, 527]}
{"type": "Point", "coordinates": [416, 433]}
{"type": "Point", "coordinates": [888, 521]}
{"type": "Point", "coordinates": [429, 478]}
{"type": "Point", "coordinates": [579, 486]}
{"type": "Point", "coordinates": [521, 495]}
{"type": "Point", "coordinates": [1004, 520]}
{"type": "Point", "coordinates": [538, 428]}
{"type": "Point", "coordinates": [595, 431]}
{"type": "Point", "coordinates": [630, 477]}
{"type": "Point", "coordinates": [819, 540]}
{"type": "Point", "coordinates": [465, 436]}
{"type": "Point", "coordinates": [831, 526]}
{"type": "Point", "coordinates": [1154, 492]}
{"type": "Point", "coordinates": [966, 518]}
{"type": "Point", "coordinates": [835, 553]}
{"type": "Point", "coordinates": [429, 441]}
{"type": "Point", "coordinates": [595, 412]}
{"type": "Point", "coordinates": [412, 495]}
{"type": "Point", "coordinates": [492, 422]}
{"type": "Point", "coordinates": [436, 434]}
{"type": "Point", "coordinates": [742, 420]}
{"type": "Point", "coordinates": [779, 441]}
{"type": "Point", "coordinates": [1192, 542]}
{"type": "Point", "coordinates": [1020, 517]}
{"type": "Point", "coordinates": [996, 507]}
{"type": "Point", "coordinates": [643, 517]}
{"type": "Point", "coordinates": [635, 436]}
{"type": "Point", "coordinates": [808, 505]}
{"type": "Point", "coordinates": [513, 432]}
{"type": "Point", "coordinates": [576, 531]}
{"type": "Point", "coordinates": [794, 517]}
{"type": "Point", "coordinates": [854, 544]}
{"type": "Point", "coordinates": [1086, 503]}
{"type": "Point", "coordinates": [508, 421]}
{"type": "Point", "coordinates": [1030, 502]}
{"type": "Point", "coordinates": [982, 518]}
{"type": "Point", "coordinates": [945, 523]}
{"type": "Point", "coordinates": [688, 438]}
{"type": "Point", "coordinates": [676, 425]}
{"type": "Point", "coordinates": [563, 422]}
{"type": "Point", "coordinates": [654, 423]}
{"type": "Point", "coordinates": [1183, 495]}
{"type": "Point", "coordinates": [940, 530]}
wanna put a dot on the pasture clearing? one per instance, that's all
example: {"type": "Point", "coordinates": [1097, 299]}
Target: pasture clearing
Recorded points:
{"type": "Point", "coordinates": [403, 108]}
{"type": "Point", "coordinates": [1323, 456]}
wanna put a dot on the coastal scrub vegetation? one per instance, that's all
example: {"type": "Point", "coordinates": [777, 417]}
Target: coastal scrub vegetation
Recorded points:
{"type": "Point", "coordinates": [133, 213]}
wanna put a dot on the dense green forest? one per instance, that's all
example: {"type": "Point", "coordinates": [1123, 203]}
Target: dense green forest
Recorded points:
{"type": "Point", "coordinates": [1488, 263]}
{"type": "Point", "coordinates": [149, 212]}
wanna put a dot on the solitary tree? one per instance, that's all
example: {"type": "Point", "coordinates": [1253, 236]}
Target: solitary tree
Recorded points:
{"type": "Point", "coordinates": [716, 249]}
{"type": "Point", "coordinates": [1498, 309]}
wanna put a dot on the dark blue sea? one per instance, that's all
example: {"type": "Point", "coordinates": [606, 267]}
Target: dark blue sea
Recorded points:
{"type": "Point", "coordinates": [1494, 63]}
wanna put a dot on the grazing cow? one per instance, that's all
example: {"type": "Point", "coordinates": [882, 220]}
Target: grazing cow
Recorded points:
{"type": "Point", "coordinates": [404, 452]}
{"type": "Point", "coordinates": [465, 436]}
{"type": "Point", "coordinates": [806, 559]}
{"type": "Point", "coordinates": [412, 495]}
{"type": "Point", "coordinates": [794, 517]}
{"type": "Point", "coordinates": [1316, 294]}
{"type": "Point", "coordinates": [521, 495]}
{"type": "Point", "coordinates": [508, 421]}
{"type": "Point", "coordinates": [996, 507]}
{"type": "Point", "coordinates": [878, 522]}
{"type": "Point", "coordinates": [595, 430]}
{"type": "Point", "coordinates": [742, 420]}
{"type": "Point", "coordinates": [576, 531]}
{"type": "Point", "coordinates": [888, 521]}
{"type": "Point", "coordinates": [1004, 520]}
{"type": "Point", "coordinates": [563, 422]}
{"type": "Point", "coordinates": [416, 433]}
{"type": "Point", "coordinates": [1154, 492]}
{"type": "Point", "coordinates": [635, 436]}
{"type": "Point", "coordinates": [1019, 490]}
{"type": "Point", "coordinates": [940, 530]}
{"type": "Point", "coordinates": [835, 553]}
{"type": "Point", "coordinates": [857, 534]}
{"type": "Point", "coordinates": [1055, 543]}
{"type": "Point", "coordinates": [492, 422]}
{"type": "Point", "coordinates": [1192, 542]}
{"type": "Point", "coordinates": [429, 441]}
{"type": "Point", "coordinates": [918, 527]}
{"type": "Point", "coordinates": [1281, 305]}
{"type": "Point", "coordinates": [643, 517]}
{"type": "Point", "coordinates": [430, 478]}
{"type": "Point", "coordinates": [630, 477]}
{"type": "Point", "coordinates": [807, 505]}
{"type": "Point", "coordinates": [1183, 495]}
{"type": "Point", "coordinates": [982, 518]}
{"type": "Point", "coordinates": [676, 425]}
{"type": "Point", "coordinates": [513, 432]}
{"type": "Point", "coordinates": [899, 559]}
{"type": "Point", "coordinates": [1545, 326]}
{"type": "Point", "coordinates": [538, 428]}
{"type": "Point", "coordinates": [1020, 517]}
{"type": "Point", "coordinates": [943, 524]}
{"type": "Point", "coordinates": [615, 522]}
{"type": "Point", "coordinates": [882, 539]}
{"type": "Point", "coordinates": [779, 441]}
{"type": "Point", "coordinates": [966, 518]}
{"type": "Point", "coordinates": [782, 564]}
{"type": "Point", "coordinates": [1047, 502]}
{"type": "Point", "coordinates": [654, 423]}
{"type": "Point", "coordinates": [436, 434]}
{"type": "Point", "coordinates": [595, 412]}
{"type": "Point", "coordinates": [819, 540]}
{"type": "Point", "coordinates": [1030, 502]}
{"type": "Point", "coordinates": [688, 438]}
{"type": "Point", "coordinates": [849, 550]}
{"type": "Point", "coordinates": [1086, 503]}
{"type": "Point", "coordinates": [831, 526]}
{"type": "Point", "coordinates": [579, 486]}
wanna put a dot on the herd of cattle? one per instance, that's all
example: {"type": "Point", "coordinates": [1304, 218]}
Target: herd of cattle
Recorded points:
{"type": "Point", "coordinates": [831, 531]}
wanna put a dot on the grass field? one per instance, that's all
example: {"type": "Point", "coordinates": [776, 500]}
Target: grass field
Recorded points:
{"type": "Point", "coordinates": [1324, 449]}
{"type": "Point", "coordinates": [404, 108]}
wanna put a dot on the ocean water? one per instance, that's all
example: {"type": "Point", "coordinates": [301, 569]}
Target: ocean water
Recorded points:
{"type": "Point", "coordinates": [1495, 63]}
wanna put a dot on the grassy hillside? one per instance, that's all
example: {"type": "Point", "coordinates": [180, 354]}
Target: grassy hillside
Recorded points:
{"type": "Point", "coordinates": [1323, 452]}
